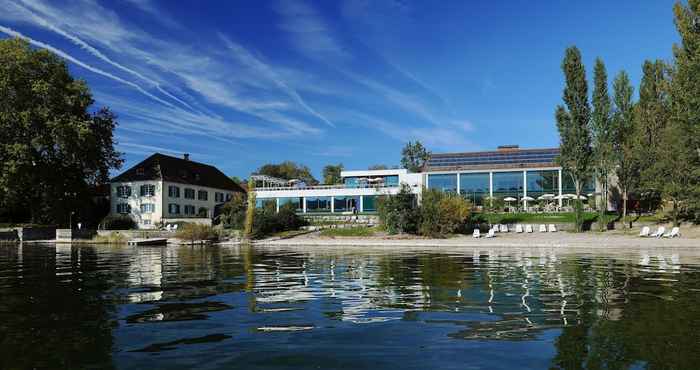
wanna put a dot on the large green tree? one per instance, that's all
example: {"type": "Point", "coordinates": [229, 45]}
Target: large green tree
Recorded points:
{"type": "Point", "coordinates": [331, 174]}
{"type": "Point", "coordinates": [414, 156]}
{"type": "Point", "coordinates": [685, 94]}
{"type": "Point", "coordinates": [573, 119]}
{"type": "Point", "coordinates": [601, 129]}
{"type": "Point", "coordinates": [626, 164]}
{"type": "Point", "coordinates": [53, 147]}
{"type": "Point", "coordinates": [288, 170]}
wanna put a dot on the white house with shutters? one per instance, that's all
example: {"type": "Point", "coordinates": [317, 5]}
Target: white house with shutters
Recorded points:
{"type": "Point", "coordinates": [163, 189]}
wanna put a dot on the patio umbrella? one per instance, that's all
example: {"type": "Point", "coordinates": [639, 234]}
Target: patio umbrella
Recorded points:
{"type": "Point", "coordinates": [546, 197]}
{"type": "Point", "coordinates": [558, 197]}
{"type": "Point", "coordinates": [526, 198]}
{"type": "Point", "coordinates": [509, 199]}
{"type": "Point", "coordinates": [569, 196]}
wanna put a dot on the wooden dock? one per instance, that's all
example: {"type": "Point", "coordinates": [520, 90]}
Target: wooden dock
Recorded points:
{"type": "Point", "coordinates": [148, 242]}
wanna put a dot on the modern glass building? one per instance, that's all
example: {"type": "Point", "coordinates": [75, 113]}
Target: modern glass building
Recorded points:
{"type": "Point", "coordinates": [506, 173]}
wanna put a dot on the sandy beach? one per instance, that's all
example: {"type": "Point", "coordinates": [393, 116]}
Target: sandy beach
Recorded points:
{"type": "Point", "coordinates": [592, 240]}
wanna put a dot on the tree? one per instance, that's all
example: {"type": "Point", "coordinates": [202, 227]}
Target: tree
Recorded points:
{"type": "Point", "coordinates": [627, 167]}
{"type": "Point", "coordinates": [399, 213]}
{"type": "Point", "coordinates": [602, 136]}
{"type": "Point", "coordinates": [331, 174]}
{"type": "Point", "coordinates": [442, 213]}
{"type": "Point", "coordinates": [250, 211]}
{"type": "Point", "coordinates": [53, 149]}
{"type": "Point", "coordinates": [573, 124]}
{"type": "Point", "coordinates": [414, 156]}
{"type": "Point", "coordinates": [685, 92]}
{"type": "Point", "coordinates": [288, 170]}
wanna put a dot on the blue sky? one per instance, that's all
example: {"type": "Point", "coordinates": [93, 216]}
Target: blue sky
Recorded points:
{"type": "Point", "coordinates": [239, 84]}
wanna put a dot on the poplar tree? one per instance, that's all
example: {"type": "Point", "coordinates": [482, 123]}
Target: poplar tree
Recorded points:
{"type": "Point", "coordinates": [601, 131]}
{"type": "Point", "coordinates": [626, 165]}
{"type": "Point", "coordinates": [573, 120]}
{"type": "Point", "coordinates": [250, 210]}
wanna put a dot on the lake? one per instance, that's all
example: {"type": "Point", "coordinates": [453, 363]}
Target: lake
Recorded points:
{"type": "Point", "coordinates": [105, 307]}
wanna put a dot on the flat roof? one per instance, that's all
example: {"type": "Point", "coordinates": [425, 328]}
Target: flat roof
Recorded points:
{"type": "Point", "coordinates": [369, 173]}
{"type": "Point", "coordinates": [507, 157]}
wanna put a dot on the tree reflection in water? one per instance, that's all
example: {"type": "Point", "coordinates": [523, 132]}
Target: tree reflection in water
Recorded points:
{"type": "Point", "coordinates": [108, 307]}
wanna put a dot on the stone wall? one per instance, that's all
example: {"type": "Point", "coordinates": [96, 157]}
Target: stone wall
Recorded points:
{"type": "Point", "coordinates": [342, 219]}
{"type": "Point", "coordinates": [68, 235]}
{"type": "Point", "coordinates": [134, 234]}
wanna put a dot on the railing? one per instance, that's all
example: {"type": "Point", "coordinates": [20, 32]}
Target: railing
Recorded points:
{"type": "Point", "coordinates": [330, 187]}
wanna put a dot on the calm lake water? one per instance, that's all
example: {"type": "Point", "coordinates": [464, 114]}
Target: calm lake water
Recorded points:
{"type": "Point", "coordinates": [322, 308]}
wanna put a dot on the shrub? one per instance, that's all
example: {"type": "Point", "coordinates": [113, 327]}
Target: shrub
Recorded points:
{"type": "Point", "coordinates": [118, 223]}
{"type": "Point", "coordinates": [268, 221]}
{"type": "Point", "coordinates": [399, 213]}
{"type": "Point", "coordinates": [442, 213]}
{"type": "Point", "coordinates": [233, 211]}
{"type": "Point", "coordinates": [194, 232]}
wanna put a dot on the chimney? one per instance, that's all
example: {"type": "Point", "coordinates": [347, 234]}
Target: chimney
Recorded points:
{"type": "Point", "coordinates": [186, 156]}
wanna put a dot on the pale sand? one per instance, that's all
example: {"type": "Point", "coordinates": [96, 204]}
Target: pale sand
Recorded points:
{"type": "Point", "coordinates": [592, 240]}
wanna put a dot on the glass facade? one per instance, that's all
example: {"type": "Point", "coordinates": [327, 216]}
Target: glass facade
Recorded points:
{"type": "Point", "coordinates": [495, 158]}
{"type": "Point", "coordinates": [542, 182]}
{"type": "Point", "coordinates": [265, 202]}
{"type": "Point", "coordinates": [346, 204]}
{"type": "Point", "coordinates": [298, 203]}
{"type": "Point", "coordinates": [474, 186]}
{"type": "Point", "coordinates": [569, 188]}
{"type": "Point", "coordinates": [318, 204]}
{"type": "Point", "coordinates": [508, 184]}
{"type": "Point", "coordinates": [369, 203]}
{"type": "Point", "coordinates": [444, 182]}
{"type": "Point", "coordinates": [354, 182]}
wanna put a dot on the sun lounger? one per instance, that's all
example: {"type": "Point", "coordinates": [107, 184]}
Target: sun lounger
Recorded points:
{"type": "Point", "coordinates": [494, 228]}
{"type": "Point", "coordinates": [168, 227]}
{"type": "Point", "coordinates": [674, 233]}
{"type": "Point", "coordinates": [551, 228]}
{"type": "Point", "coordinates": [518, 228]}
{"type": "Point", "coordinates": [543, 228]}
{"type": "Point", "coordinates": [645, 232]}
{"type": "Point", "coordinates": [477, 233]}
{"type": "Point", "coordinates": [504, 228]}
{"type": "Point", "coordinates": [528, 228]}
{"type": "Point", "coordinates": [659, 232]}
{"type": "Point", "coordinates": [491, 234]}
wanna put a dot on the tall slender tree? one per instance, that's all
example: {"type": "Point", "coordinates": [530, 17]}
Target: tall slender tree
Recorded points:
{"type": "Point", "coordinates": [685, 93]}
{"type": "Point", "coordinates": [573, 121]}
{"type": "Point", "coordinates": [601, 130]}
{"type": "Point", "coordinates": [627, 168]}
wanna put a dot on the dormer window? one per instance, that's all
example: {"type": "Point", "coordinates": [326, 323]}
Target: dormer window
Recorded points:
{"type": "Point", "coordinates": [196, 177]}
{"type": "Point", "coordinates": [140, 171]}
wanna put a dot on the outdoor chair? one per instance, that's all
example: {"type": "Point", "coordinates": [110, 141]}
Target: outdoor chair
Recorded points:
{"type": "Point", "coordinates": [674, 233]}
{"type": "Point", "coordinates": [174, 228]}
{"type": "Point", "coordinates": [504, 228]}
{"type": "Point", "coordinates": [477, 233]}
{"type": "Point", "coordinates": [659, 232]}
{"type": "Point", "coordinates": [495, 228]}
{"type": "Point", "coordinates": [168, 227]}
{"type": "Point", "coordinates": [543, 228]}
{"type": "Point", "coordinates": [491, 234]}
{"type": "Point", "coordinates": [519, 228]}
{"type": "Point", "coordinates": [528, 229]}
{"type": "Point", "coordinates": [551, 228]}
{"type": "Point", "coordinates": [645, 232]}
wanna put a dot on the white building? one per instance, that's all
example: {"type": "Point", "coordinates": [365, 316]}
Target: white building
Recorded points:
{"type": "Point", "coordinates": [165, 189]}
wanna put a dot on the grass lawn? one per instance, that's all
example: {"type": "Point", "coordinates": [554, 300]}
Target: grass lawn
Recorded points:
{"type": "Point", "coordinates": [350, 231]}
{"type": "Point", "coordinates": [545, 218]}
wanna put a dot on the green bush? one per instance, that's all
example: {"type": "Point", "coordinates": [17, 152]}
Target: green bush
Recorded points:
{"type": "Point", "coordinates": [442, 213]}
{"type": "Point", "coordinates": [194, 232]}
{"type": "Point", "coordinates": [118, 223]}
{"type": "Point", "coordinates": [268, 221]}
{"type": "Point", "coordinates": [233, 212]}
{"type": "Point", "coordinates": [399, 213]}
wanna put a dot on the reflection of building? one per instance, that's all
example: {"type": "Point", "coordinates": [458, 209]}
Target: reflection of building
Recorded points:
{"type": "Point", "coordinates": [509, 172]}
{"type": "Point", "coordinates": [163, 188]}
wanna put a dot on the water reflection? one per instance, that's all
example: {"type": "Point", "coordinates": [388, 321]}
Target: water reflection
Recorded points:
{"type": "Point", "coordinates": [276, 307]}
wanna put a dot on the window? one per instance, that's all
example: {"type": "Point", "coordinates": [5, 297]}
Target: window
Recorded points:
{"type": "Point", "coordinates": [202, 212]}
{"type": "Point", "coordinates": [219, 197]}
{"type": "Point", "coordinates": [189, 210]}
{"type": "Point", "coordinates": [173, 191]}
{"type": "Point", "coordinates": [346, 204]}
{"type": "Point", "coordinates": [146, 222]}
{"type": "Point", "coordinates": [444, 182]}
{"type": "Point", "coordinates": [123, 191]}
{"type": "Point", "coordinates": [140, 171]}
{"type": "Point", "coordinates": [508, 184]}
{"type": "Point", "coordinates": [369, 203]}
{"type": "Point", "coordinates": [189, 193]}
{"type": "Point", "coordinates": [228, 196]}
{"type": "Point", "coordinates": [269, 203]}
{"type": "Point", "coordinates": [542, 182]}
{"type": "Point", "coordinates": [174, 209]}
{"type": "Point", "coordinates": [297, 202]}
{"type": "Point", "coordinates": [318, 204]}
{"type": "Point", "coordinates": [148, 190]}
{"type": "Point", "coordinates": [474, 186]}
{"type": "Point", "coordinates": [123, 208]}
{"type": "Point", "coordinates": [148, 208]}
{"type": "Point", "coordinates": [202, 195]}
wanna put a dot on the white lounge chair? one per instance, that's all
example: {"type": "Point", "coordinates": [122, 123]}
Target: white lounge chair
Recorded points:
{"type": "Point", "coordinates": [645, 232]}
{"type": "Point", "coordinates": [476, 233]}
{"type": "Point", "coordinates": [543, 228]}
{"type": "Point", "coordinates": [674, 233]}
{"type": "Point", "coordinates": [659, 232]}
{"type": "Point", "coordinates": [528, 229]}
{"type": "Point", "coordinates": [551, 228]}
{"type": "Point", "coordinates": [504, 228]}
{"type": "Point", "coordinates": [494, 228]}
{"type": "Point", "coordinates": [175, 227]}
{"type": "Point", "coordinates": [168, 227]}
{"type": "Point", "coordinates": [519, 228]}
{"type": "Point", "coordinates": [491, 234]}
